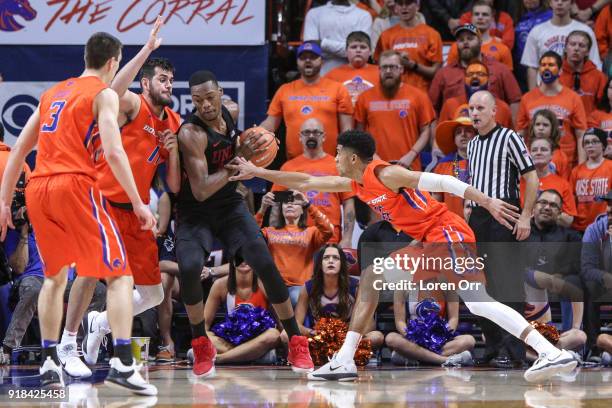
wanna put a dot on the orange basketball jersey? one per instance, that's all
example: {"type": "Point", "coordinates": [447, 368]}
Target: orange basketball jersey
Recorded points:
{"type": "Point", "coordinates": [413, 211]}
{"type": "Point", "coordinates": [66, 128]}
{"type": "Point", "coordinates": [144, 150]}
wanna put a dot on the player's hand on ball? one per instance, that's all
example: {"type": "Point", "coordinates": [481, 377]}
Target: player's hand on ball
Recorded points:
{"type": "Point", "coordinates": [244, 169]}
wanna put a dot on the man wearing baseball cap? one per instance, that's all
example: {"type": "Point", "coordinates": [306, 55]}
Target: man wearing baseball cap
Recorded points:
{"type": "Point", "coordinates": [448, 81]}
{"type": "Point", "coordinates": [310, 96]}
{"type": "Point", "coordinates": [452, 137]}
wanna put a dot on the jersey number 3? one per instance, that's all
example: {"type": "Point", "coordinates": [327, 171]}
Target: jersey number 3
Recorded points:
{"type": "Point", "coordinates": [54, 116]}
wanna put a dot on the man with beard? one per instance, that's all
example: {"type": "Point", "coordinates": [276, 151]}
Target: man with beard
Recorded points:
{"type": "Point", "coordinates": [562, 101]}
{"type": "Point", "coordinates": [579, 73]}
{"type": "Point", "coordinates": [310, 96]}
{"type": "Point", "coordinates": [316, 162]}
{"type": "Point", "coordinates": [397, 115]}
{"type": "Point", "coordinates": [476, 79]}
{"type": "Point", "coordinates": [149, 137]}
{"type": "Point", "coordinates": [449, 83]}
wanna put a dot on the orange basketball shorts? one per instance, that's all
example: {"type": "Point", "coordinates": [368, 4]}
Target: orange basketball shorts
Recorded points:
{"type": "Point", "coordinates": [141, 247]}
{"type": "Point", "coordinates": [448, 252]}
{"type": "Point", "coordinates": [72, 224]}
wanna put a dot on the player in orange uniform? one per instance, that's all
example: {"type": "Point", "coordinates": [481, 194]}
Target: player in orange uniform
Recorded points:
{"type": "Point", "coordinates": [399, 196]}
{"type": "Point", "coordinates": [66, 208]}
{"type": "Point", "coordinates": [148, 136]}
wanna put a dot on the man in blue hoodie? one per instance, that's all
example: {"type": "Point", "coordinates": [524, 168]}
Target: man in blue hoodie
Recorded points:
{"type": "Point", "coordinates": [596, 270]}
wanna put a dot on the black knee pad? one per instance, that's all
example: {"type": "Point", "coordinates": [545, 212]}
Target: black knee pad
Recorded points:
{"type": "Point", "coordinates": [257, 255]}
{"type": "Point", "coordinates": [190, 264]}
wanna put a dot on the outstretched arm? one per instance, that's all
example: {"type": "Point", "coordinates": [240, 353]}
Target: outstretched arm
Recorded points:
{"type": "Point", "coordinates": [397, 177]}
{"type": "Point", "coordinates": [297, 181]}
{"type": "Point", "coordinates": [129, 102]}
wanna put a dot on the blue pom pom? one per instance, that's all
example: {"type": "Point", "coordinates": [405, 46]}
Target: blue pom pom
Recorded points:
{"type": "Point", "coordinates": [429, 330]}
{"type": "Point", "coordinates": [244, 323]}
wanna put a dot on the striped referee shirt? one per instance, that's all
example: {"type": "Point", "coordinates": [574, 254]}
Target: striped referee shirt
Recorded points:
{"type": "Point", "coordinates": [496, 161]}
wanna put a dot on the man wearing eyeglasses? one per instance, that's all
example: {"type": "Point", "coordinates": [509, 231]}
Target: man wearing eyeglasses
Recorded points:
{"type": "Point", "coordinates": [316, 162]}
{"type": "Point", "coordinates": [553, 268]}
{"type": "Point", "coordinates": [565, 103]}
{"type": "Point", "coordinates": [579, 73]}
{"type": "Point", "coordinates": [397, 114]}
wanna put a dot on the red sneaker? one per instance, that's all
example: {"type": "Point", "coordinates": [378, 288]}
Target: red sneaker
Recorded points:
{"type": "Point", "coordinates": [204, 354]}
{"type": "Point", "coordinates": [299, 355]}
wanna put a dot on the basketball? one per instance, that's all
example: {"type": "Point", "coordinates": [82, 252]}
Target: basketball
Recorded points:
{"type": "Point", "coordinates": [266, 157]}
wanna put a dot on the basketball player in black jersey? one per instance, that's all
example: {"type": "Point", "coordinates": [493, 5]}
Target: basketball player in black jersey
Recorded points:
{"type": "Point", "coordinates": [208, 205]}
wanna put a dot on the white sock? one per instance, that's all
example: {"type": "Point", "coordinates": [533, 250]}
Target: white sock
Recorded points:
{"type": "Point", "coordinates": [68, 337]}
{"type": "Point", "coordinates": [349, 347]}
{"type": "Point", "coordinates": [540, 344]}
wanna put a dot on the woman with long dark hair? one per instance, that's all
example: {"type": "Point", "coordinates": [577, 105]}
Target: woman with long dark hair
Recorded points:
{"type": "Point", "coordinates": [601, 118]}
{"type": "Point", "coordinates": [330, 293]}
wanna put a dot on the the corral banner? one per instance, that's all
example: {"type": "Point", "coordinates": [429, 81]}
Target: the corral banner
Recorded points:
{"type": "Point", "coordinates": [187, 22]}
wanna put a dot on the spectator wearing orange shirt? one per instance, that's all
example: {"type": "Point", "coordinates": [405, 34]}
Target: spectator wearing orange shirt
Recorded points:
{"type": "Point", "coordinates": [591, 180]}
{"type": "Point", "coordinates": [483, 18]}
{"type": "Point", "coordinates": [603, 34]}
{"type": "Point", "coordinates": [565, 103]}
{"type": "Point", "coordinates": [357, 76]}
{"type": "Point", "coordinates": [541, 152]}
{"type": "Point", "coordinates": [501, 26]}
{"type": "Point", "coordinates": [449, 83]}
{"type": "Point", "coordinates": [292, 243]}
{"type": "Point", "coordinates": [314, 161]}
{"type": "Point", "coordinates": [311, 96]}
{"type": "Point", "coordinates": [419, 45]}
{"type": "Point", "coordinates": [398, 115]}
{"type": "Point", "coordinates": [579, 73]}
{"type": "Point", "coordinates": [545, 125]}
{"type": "Point", "coordinates": [602, 117]}
{"type": "Point", "coordinates": [452, 138]}
{"type": "Point", "coordinates": [476, 79]}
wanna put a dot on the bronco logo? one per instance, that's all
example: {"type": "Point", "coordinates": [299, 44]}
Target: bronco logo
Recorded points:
{"type": "Point", "coordinates": [9, 9]}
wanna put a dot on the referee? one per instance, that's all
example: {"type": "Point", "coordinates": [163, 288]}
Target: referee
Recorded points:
{"type": "Point", "coordinates": [497, 158]}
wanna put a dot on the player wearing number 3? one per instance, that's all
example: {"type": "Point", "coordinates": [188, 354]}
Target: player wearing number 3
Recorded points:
{"type": "Point", "coordinates": [72, 221]}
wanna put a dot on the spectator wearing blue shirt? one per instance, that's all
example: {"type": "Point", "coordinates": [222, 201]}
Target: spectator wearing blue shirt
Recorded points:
{"type": "Point", "coordinates": [534, 12]}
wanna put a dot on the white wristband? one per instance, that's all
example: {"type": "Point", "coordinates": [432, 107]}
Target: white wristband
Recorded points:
{"type": "Point", "coordinates": [437, 183]}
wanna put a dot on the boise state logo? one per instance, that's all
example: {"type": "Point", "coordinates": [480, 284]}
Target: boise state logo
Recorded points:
{"type": "Point", "coordinates": [306, 110]}
{"type": "Point", "coordinates": [403, 113]}
{"type": "Point", "coordinates": [10, 9]}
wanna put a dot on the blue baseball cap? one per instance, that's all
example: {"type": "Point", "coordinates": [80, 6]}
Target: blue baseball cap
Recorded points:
{"type": "Point", "coordinates": [310, 47]}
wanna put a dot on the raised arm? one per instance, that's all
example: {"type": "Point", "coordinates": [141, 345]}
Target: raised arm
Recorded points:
{"type": "Point", "coordinates": [397, 177]}
{"type": "Point", "coordinates": [129, 101]}
{"type": "Point", "coordinates": [297, 181]}
{"type": "Point", "coordinates": [192, 144]}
